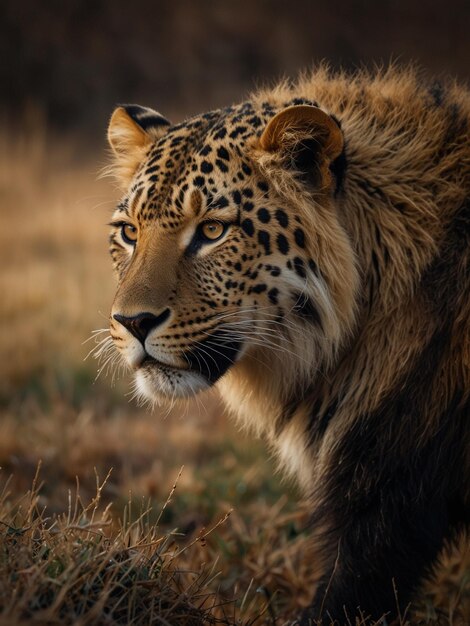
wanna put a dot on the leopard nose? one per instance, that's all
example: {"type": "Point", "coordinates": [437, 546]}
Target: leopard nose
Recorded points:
{"type": "Point", "coordinates": [140, 325]}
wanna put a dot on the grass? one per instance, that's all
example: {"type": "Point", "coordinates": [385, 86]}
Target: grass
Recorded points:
{"type": "Point", "coordinates": [99, 534]}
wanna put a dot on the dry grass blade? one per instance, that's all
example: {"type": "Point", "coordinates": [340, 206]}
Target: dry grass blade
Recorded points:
{"type": "Point", "coordinates": [76, 569]}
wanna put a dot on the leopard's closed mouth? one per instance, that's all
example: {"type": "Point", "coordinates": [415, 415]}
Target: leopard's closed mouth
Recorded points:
{"type": "Point", "coordinates": [211, 358]}
{"type": "Point", "coordinates": [149, 362]}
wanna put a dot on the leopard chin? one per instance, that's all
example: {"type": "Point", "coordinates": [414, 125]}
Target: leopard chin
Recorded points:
{"type": "Point", "coordinates": [162, 383]}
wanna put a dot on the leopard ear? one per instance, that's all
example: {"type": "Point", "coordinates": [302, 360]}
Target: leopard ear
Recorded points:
{"type": "Point", "coordinates": [307, 139]}
{"type": "Point", "coordinates": [131, 130]}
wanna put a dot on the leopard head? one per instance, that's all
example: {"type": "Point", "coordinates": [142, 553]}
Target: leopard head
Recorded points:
{"type": "Point", "coordinates": [229, 248]}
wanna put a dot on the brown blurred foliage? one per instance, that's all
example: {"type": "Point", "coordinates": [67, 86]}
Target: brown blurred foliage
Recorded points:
{"type": "Point", "coordinates": [68, 62]}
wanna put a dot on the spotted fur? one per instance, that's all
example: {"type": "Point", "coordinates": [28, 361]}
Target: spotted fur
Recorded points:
{"type": "Point", "coordinates": [333, 313]}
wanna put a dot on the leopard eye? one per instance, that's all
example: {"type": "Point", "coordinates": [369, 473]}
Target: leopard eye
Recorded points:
{"type": "Point", "coordinates": [212, 230]}
{"type": "Point", "coordinates": [129, 234]}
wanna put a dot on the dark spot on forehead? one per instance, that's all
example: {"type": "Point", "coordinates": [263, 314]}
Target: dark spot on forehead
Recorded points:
{"type": "Point", "coordinates": [253, 275]}
{"type": "Point", "coordinates": [219, 203]}
{"type": "Point", "coordinates": [267, 107]}
{"type": "Point", "coordinates": [299, 237]}
{"type": "Point", "coordinates": [263, 215]}
{"type": "Point", "coordinates": [255, 121]}
{"type": "Point", "coordinates": [264, 240]}
{"type": "Point", "coordinates": [206, 167]}
{"type": "Point", "coordinates": [123, 205]}
{"type": "Point", "coordinates": [238, 130]}
{"type": "Point", "coordinates": [220, 134]}
{"type": "Point", "coordinates": [282, 244]}
{"type": "Point", "coordinates": [223, 154]}
{"type": "Point", "coordinates": [237, 198]}
{"type": "Point", "coordinates": [221, 165]}
{"type": "Point", "coordinates": [282, 218]}
{"type": "Point", "coordinates": [248, 227]}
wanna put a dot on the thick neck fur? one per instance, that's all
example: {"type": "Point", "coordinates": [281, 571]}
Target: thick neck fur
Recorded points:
{"type": "Point", "coordinates": [406, 180]}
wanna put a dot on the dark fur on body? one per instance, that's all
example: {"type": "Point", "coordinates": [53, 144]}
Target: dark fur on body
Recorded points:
{"type": "Point", "coordinates": [397, 484]}
{"type": "Point", "coordinates": [369, 407]}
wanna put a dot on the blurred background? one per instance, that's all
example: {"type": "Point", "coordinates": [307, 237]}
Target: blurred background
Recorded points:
{"type": "Point", "coordinates": [64, 65]}
{"type": "Point", "coordinates": [70, 62]}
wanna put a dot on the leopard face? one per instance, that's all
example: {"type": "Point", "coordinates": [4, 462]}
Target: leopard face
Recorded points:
{"type": "Point", "coordinates": [218, 270]}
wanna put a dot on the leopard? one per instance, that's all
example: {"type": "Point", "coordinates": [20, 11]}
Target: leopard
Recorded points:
{"type": "Point", "coordinates": [307, 253]}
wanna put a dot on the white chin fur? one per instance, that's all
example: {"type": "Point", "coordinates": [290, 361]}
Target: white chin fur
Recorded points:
{"type": "Point", "coordinates": [159, 385]}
